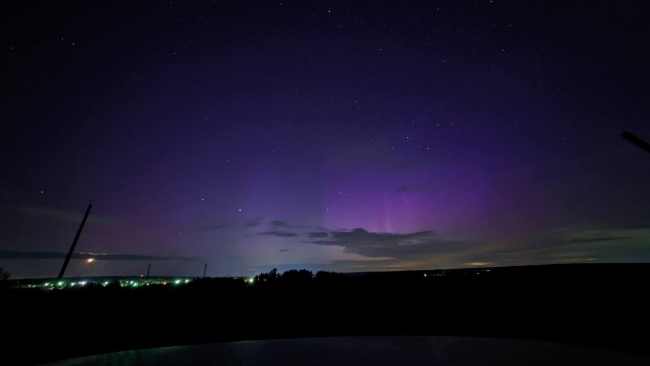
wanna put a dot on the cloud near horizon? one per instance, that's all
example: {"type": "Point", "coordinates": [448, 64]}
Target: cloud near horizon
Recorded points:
{"type": "Point", "coordinates": [66, 215]}
{"type": "Point", "coordinates": [318, 234]}
{"type": "Point", "coordinates": [393, 245]}
{"type": "Point", "coordinates": [278, 233]}
{"type": "Point", "coordinates": [26, 255]}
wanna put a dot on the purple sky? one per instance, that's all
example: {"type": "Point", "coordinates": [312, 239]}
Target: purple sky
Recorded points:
{"type": "Point", "coordinates": [375, 136]}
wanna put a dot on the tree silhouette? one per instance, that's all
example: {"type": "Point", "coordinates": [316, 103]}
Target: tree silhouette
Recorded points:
{"type": "Point", "coordinates": [295, 276]}
{"type": "Point", "coordinates": [329, 278]}
{"type": "Point", "coordinates": [4, 277]}
{"type": "Point", "coordinates": [271, 277]}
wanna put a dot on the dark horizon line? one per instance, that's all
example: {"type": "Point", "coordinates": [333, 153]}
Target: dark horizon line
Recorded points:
{"type": "Point", "coordinates": [367, 272]}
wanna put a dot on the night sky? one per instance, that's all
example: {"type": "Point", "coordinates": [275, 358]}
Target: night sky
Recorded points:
{"type": "Point", "coordinates": [324, 135]}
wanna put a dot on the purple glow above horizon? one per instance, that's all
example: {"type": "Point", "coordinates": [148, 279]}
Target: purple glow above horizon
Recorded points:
{"type": "Point", "coordinates": [235, 139]}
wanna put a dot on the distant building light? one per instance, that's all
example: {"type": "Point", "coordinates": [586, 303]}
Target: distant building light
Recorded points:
{"type": "Point", "coordinates": [90, 260]}
{"type": "Point", "coordinates": [60, 283]}
{"type": "Point", "coordinates": [425, 275]}
{"type": "Point", "coordinates": [83, 283]}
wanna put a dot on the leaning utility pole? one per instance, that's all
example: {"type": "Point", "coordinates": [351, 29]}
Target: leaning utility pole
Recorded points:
{"type": "Point", "coordinates": [148, 269]}
{"type": "Point", "coordinates": [636, 141]}
{"type": "Point", "coordinates": [74, 242]}
{"type": "Point", "coordinates": [204, 268]}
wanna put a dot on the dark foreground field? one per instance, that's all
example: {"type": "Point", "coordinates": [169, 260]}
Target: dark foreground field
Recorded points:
{"type": "Point", "coordinates": [603, 306]}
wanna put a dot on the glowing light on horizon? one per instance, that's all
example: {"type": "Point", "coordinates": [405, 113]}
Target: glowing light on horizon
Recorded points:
{"type": "Point", "coordinates": [477, 263]}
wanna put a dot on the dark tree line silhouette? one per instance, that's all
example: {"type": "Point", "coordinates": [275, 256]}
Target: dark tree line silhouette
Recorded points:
{"type": "Point", "coordinates": [298, 278]}
{"type": "Point", "coordinates": [4, 277]}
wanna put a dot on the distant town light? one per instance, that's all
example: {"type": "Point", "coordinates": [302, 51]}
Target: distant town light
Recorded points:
{"type": "Point", "coordinates": [46, 284]}
{"type": "Point", "coordinates": [251, 280]}
{"type": "Point", "coordinates": [83, 283]}
{"type": "Point", "coordinates": [90, 260]}
{"type": "Point", "coordinates": [60, 283]}
{"type": "Point", "coordinates": [186, 281]}
{"type": "Point", "coordinates": [177, 282]}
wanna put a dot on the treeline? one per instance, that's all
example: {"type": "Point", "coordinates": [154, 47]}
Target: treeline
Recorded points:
{"type": "Point", "coordinates": [596, 276]}
{"type": "Point", "coordinates": [273, 279]}
{"type": "Point", "coordinates": [568, 276]}
{"type": "Point", "coordinates": [298, 277]}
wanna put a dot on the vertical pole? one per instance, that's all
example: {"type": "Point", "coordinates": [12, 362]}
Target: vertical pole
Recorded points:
{"type": "Point", "coordinates": [74, 242]}
{"type": "Point", "coordinates": [204, 268]}
{"type": "Point", "coordinates": [148, 269]}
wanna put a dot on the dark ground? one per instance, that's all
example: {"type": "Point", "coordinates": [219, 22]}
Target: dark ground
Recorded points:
{"type": "Point", "coordinates": [597, 305]}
